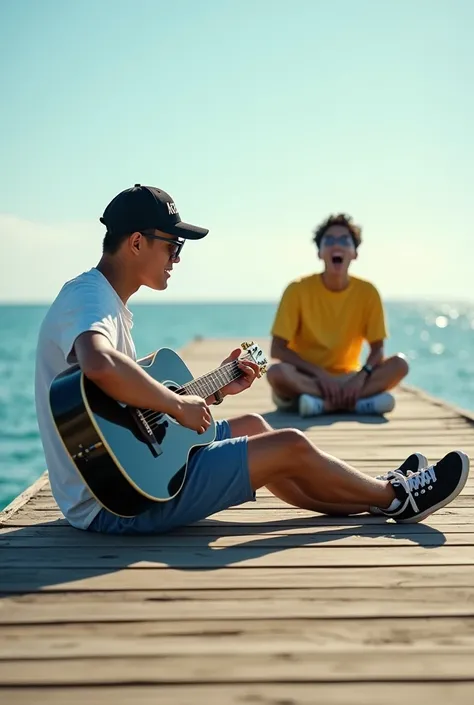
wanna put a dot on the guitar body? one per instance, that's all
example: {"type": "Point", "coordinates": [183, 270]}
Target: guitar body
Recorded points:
{"type": "Point", "coordinates": [128, 460]}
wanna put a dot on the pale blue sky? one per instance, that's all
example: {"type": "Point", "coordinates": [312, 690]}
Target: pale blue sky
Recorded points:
{"type": "Point", "coordinates": [259, 117]}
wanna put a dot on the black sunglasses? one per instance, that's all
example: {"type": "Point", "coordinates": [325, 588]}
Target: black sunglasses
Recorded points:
{"type": "Point", "coordinates": [175, 246]}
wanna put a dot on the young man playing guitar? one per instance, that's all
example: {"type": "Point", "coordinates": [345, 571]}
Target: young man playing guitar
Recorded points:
{"type": "Point", "coordinates": [89, 324]}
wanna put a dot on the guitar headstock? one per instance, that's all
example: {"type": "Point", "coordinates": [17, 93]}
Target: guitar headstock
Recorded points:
{"type": "Point", "coordinates": [256, 354]}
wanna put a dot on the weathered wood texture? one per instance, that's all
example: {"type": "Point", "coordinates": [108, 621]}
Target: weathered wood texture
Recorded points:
{"type": "Point", "coordinates": [262, 603]}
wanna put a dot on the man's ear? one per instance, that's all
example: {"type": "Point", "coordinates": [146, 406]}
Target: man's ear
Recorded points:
{"type": "Point", "coordinates": [135, 241]}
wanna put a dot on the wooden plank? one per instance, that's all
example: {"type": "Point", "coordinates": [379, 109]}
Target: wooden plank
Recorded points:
{"type": "Point", "coordinates": [465, 500]}
{"type": "Point", "coordinates": [324, 665]}
{"type": "Point", "coordinates": [248, 693]}
{"type": "Point", "coordinates": [253, 515]}
{"type": "Point", "coordinates": [409, 391]}
{"type": "Point", "coordinates": [190, 592]}
{"type": "Point", "coordinates": [213, 538]}
{"type": "Point", "coordinates": [46, 500]}
{"type": "Point", "coordinates": [32, 518]}
{"type": "Point", "coordinates": [188, 606]}
{"type": "Point", "coordinates": [418, 630]}
{"type": "Point", "coordinates": [259, 517]}
{"type": "Point", "coordinates": [240, 557]}
{"type": "Point", "coordinates": [53, 535]}
{"type": "Point", "coordinates": [20, 502]}
{"type": "Point", "coordinates": [268, 636]}
{"type": "Point", "coordinates": [335, 526]}
{"type": "Point", "coordinates": [390, 434]}
{"type": "Point", "coordinates": [24, 579]}
{"type": "Point", "coordinates": [419, 429]}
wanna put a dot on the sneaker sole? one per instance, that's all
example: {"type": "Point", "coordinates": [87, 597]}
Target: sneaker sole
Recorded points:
{"type": "Point", "coordinates": [462, 481]}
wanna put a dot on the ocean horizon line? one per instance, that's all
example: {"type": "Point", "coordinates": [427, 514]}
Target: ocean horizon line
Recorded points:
{"type": "Point", "coordinates": [239, 302]}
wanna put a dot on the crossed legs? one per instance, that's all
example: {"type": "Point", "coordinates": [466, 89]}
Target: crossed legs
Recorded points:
{"type": "Point", "coordinates": [288, 382]}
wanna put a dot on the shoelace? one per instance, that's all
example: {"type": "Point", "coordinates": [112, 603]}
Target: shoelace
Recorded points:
{"type": "Point", "coordinates": [390, 475]}
{"type": "Point", "coordinates": [416, 480]}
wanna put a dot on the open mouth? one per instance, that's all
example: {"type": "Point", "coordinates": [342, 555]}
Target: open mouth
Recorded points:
{"type": "Point", "coordinates": [336, 259]}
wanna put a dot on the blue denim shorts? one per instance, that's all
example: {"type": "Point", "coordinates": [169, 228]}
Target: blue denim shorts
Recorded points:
{"type": "Point", "coordinates": [217, 478]}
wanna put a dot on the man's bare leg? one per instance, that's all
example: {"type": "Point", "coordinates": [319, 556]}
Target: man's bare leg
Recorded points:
{"type": "Point", "coordinates": [289, 490]}
{"type": "Point", "coordinates": [386, 376]}
{"type": "Point", "coordinates": [289, 454]}
{"type": "Point", "coordinates": [288, 382]}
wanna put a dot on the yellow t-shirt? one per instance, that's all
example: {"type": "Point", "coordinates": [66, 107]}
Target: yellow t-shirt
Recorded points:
{"type": "Point", "coordinates": [328, 328]}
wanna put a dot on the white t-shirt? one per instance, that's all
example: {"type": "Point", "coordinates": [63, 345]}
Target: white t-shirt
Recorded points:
{"type": "Point", "coordinates": [86, 303]}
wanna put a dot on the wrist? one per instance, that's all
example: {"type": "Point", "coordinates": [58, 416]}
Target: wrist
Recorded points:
{"type": "Point", "coordinates": [172, 405]}
{"type": "Point", "coordinates": [367, 369]}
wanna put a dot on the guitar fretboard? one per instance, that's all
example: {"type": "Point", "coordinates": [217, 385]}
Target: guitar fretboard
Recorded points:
{"type": "Point", "coordinates": [204, 387]}
{"type": "Point", "coordinates": [211, 382]}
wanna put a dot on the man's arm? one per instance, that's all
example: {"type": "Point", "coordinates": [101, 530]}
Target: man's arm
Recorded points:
{"type": "Point", "coordinates": [376, 329]}
{"type": "Point", "coordinates": [280, 350]}
{"type": "Point", "coordinates": [123, 379]}
{"type": "Point", "coordinates": [376, 354]}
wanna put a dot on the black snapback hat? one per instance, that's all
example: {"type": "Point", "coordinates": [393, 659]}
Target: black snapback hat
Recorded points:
{"type": "Point", "coordinates": [146, 207]}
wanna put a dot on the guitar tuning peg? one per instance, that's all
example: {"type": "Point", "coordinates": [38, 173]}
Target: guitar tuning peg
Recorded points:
{"type": "Point", "coordinates": [245, 346]}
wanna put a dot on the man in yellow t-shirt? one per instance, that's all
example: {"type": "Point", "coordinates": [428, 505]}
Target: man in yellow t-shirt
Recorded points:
{"type": "Point", "coordinates": [319, 329]}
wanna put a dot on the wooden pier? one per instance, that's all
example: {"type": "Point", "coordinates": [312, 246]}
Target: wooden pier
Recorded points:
{"type": "Point", "coordinates": [261, 604]}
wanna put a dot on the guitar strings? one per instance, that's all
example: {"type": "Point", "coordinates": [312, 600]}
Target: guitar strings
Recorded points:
{"type": "Point", "coordinates": [230, 367]}
{"type": "Point", "coordinates": [150, 415]}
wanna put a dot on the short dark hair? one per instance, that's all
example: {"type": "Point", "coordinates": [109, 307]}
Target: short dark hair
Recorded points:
{"type": "Point", "coordinates": [339, 219]}
{"type": "Point", "coordinates": [112, 241]}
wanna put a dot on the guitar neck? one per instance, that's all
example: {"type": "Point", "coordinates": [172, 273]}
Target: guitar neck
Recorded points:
{"type": "Point", "coordinates": [212, 382]}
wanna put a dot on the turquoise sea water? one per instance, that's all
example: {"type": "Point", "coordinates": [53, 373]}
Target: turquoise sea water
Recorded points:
{"type": "Point", "coordinates": [437, 338]}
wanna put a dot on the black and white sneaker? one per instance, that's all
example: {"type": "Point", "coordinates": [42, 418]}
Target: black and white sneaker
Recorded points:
{"type": "Point", "coordinates": [424, 492]}
{"type": "Point", "coordinates": [414, 462]}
